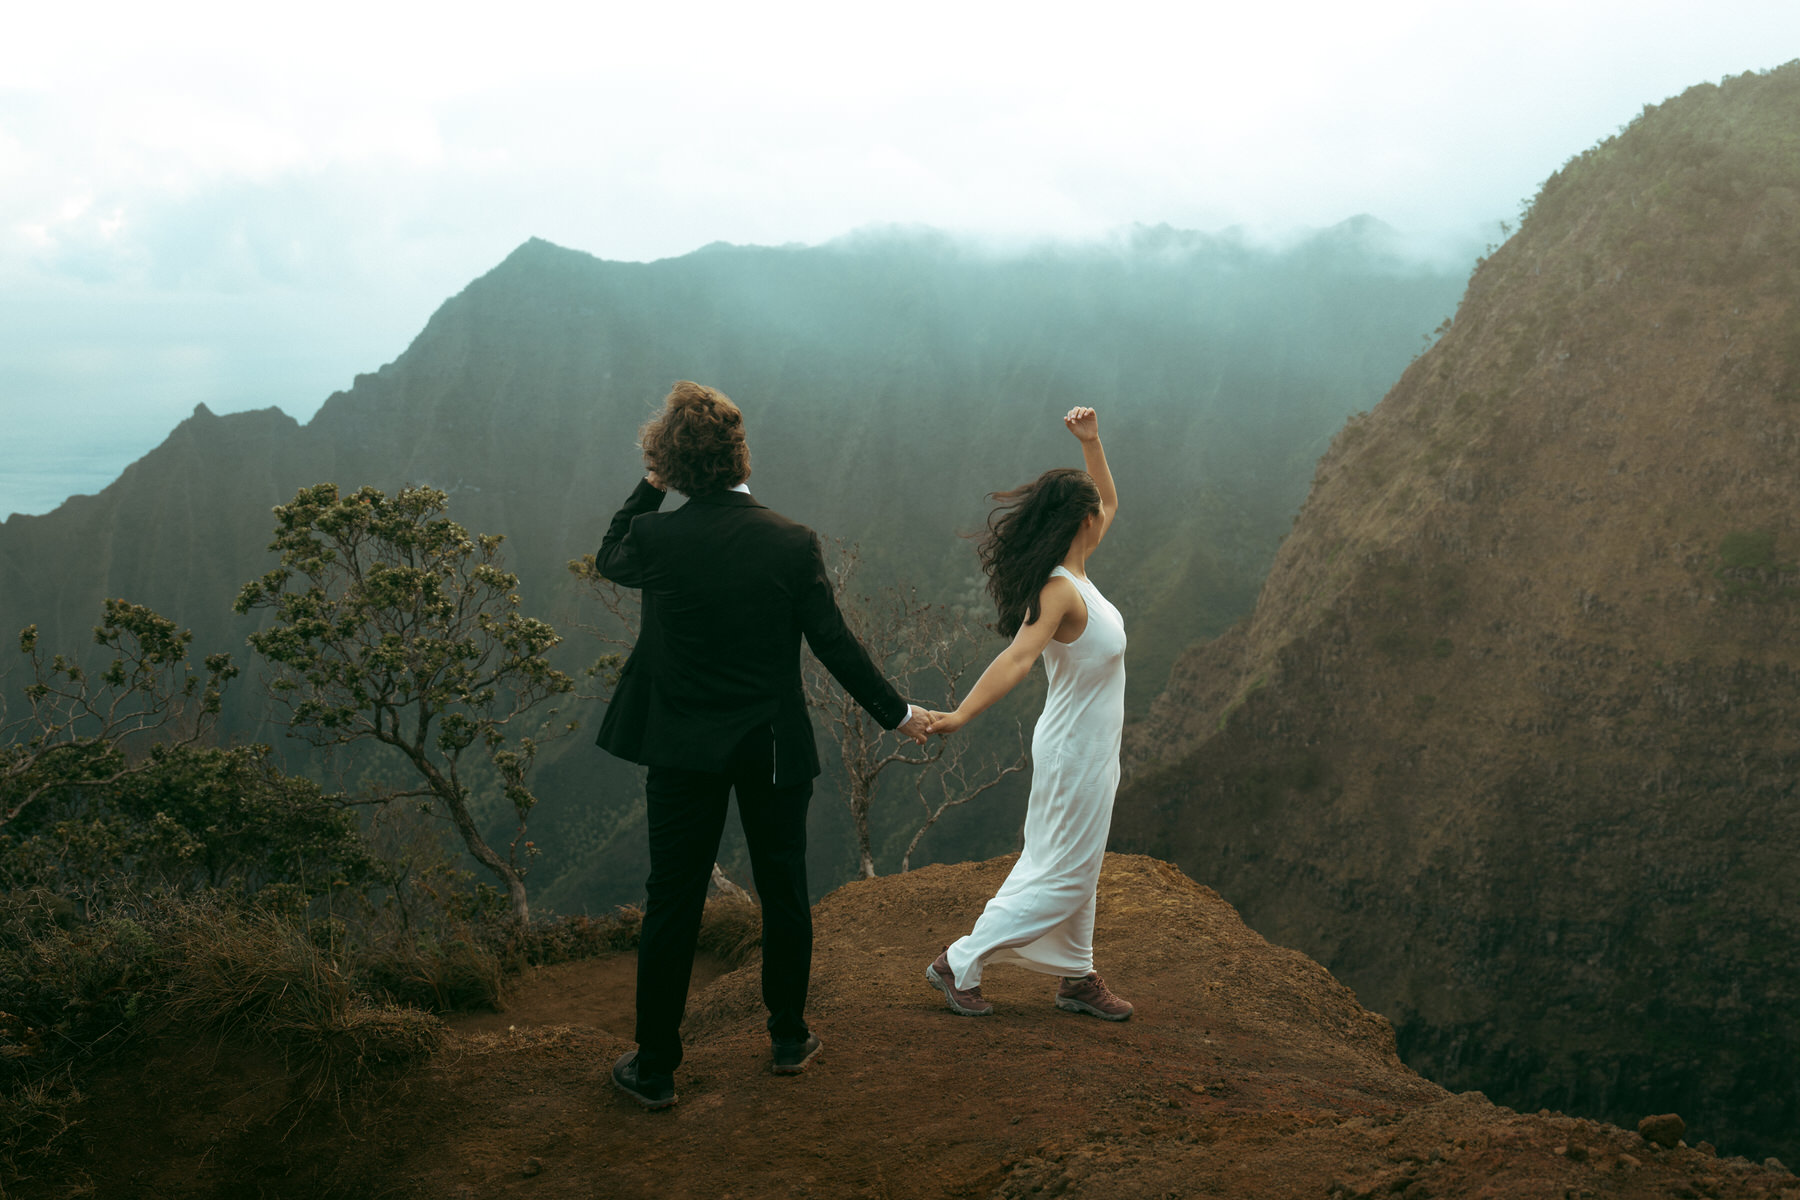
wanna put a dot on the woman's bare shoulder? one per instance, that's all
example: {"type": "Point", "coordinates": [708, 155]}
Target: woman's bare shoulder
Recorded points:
{"type": "Point", "coordinates": [1059, 594]}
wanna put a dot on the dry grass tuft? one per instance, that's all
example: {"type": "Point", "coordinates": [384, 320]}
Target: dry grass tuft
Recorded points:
{"type": "Point", "coordinates": [35, 1116]}
{"type": "Point", "coordinates": [457, 976]}
{"type": "Point", "coordinates": [366, 1041]}
{"type": "Point", "coordinates": [731, 928]}
{"type": "Point", "coordinates": [250, 972]}
{"type": "Point", "coordinates": [253, 975]}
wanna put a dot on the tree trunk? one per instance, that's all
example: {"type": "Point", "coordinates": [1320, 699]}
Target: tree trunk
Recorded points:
{"type": "Point", "coordinates": [515, 891]}
{"type": "Point", "coordinates": [723, 882]}
{"type": "Point", "coordinates": [859, 816]}
{"type": "Point", "coordinates": [450, 793]}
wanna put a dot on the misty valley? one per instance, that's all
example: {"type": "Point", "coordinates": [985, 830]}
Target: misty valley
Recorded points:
{"type": "Point", "coordinates": [1459, 606]}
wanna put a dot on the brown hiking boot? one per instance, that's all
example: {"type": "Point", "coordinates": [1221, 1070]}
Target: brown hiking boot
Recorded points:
{"type": "Point", "coordinates": [1089, 994]}
{"type": "Point", "coordinates": [966, 1001]}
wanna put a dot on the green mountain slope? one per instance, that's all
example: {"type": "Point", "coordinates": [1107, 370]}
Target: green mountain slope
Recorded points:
{"type": "Point", "coordinates": [1509, 741]}
{"type": "Point", "coordinates": [890, 381]}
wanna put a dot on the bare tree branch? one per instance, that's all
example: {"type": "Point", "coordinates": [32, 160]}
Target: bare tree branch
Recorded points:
{"type": "Point", "coordinates": [929, 648]}
{"type": "Point", "coordinates": [954, 788]}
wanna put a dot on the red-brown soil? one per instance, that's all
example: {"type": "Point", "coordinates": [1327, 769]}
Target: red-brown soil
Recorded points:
{"type": "Point", "coordinates": [1246, 1071]}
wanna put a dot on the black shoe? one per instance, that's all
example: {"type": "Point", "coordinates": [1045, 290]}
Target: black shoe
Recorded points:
{"type": "Point", "coordinates": [651, 1091]}
{"type": "Point", "coordinates": [791, 1057]}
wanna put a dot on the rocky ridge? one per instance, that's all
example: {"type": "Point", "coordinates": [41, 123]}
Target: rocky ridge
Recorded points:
{"type": "Point", "coordinates": [1247, 1070]}
{"type": "Point", "coordinates": [1510, 739]}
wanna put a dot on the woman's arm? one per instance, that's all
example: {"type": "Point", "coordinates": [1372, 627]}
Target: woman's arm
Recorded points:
{"type": "Point", "coordinates": [1084, 423]}
{"type": "Point", "coordinates": [1012, 664]}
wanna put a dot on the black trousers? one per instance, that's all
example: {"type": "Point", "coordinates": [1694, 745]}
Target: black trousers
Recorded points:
{"type": "Point", "coordinates": [686, 811]}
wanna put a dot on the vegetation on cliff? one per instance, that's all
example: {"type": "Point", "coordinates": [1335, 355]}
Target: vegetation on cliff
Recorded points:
{"type": "Point", "coordinates": [890, 382]}
{"type": "Point", "coordinates": [1509, 740]}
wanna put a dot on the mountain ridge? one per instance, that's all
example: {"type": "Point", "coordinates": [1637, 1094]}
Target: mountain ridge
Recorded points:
{"type": "Point", "coordinates": [887, 391]}
{"type": "Point", "coordinates": [1507, 740]}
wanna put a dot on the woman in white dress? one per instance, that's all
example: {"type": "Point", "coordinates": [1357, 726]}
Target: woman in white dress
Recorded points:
{"type": "Point", "coordinates": [1035, 555]}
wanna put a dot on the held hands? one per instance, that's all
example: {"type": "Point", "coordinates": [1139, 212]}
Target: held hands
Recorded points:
{"type": "Point", "coordinates": [942, 723]}
{"type": "Point", "coordinates": [916, 725]}
{"type": "Point", "coordinates": [1084, 423]}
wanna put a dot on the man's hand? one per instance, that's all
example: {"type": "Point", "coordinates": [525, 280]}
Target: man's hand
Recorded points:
{"type": "Point", "coordinates": [655, 480]}
{"type": "Point", "coordinates": [915, 725]}
{"type": "Point", "coordinates": [1084, 423]}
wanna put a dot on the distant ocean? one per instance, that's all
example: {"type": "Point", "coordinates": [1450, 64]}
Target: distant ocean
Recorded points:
{"type": "Point", "coordinates": [93, 379]}
{"type": "Point", "coordinates": [38, 474]}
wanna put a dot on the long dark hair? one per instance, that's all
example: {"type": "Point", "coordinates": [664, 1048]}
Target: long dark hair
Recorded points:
{"type": "Point", "coordinates": [1028, 535]}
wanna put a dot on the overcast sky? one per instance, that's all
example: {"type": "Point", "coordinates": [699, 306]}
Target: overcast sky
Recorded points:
{"type": "Point", "coordinates": [246, 205]}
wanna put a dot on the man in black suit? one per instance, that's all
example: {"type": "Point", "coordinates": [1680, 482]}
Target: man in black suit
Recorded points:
{"type": "Point", "coordinates": [711, 701]}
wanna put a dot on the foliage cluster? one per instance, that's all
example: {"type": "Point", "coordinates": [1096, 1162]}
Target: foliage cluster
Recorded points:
{"type": "Point", "coordinates": [147, 876]}
{"type": "Point", "coordinates": [74, 727]}
{"type": "Point", "coordinates": [393, 625]}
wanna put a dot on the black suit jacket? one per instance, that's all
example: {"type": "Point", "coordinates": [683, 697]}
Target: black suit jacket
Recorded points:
{"type": "Point", "coordinates": [729, 588]}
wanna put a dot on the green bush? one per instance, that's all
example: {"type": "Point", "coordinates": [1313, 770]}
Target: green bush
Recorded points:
{"type": "Point", "coordinates": [191, 820]}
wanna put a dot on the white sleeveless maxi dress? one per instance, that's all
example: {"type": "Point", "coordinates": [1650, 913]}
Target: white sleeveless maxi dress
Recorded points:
{"type": "Point", "coordinates": [1043, 915]}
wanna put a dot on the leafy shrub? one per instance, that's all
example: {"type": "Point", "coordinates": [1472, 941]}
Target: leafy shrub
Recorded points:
{"type": "Point", "coordinates": [566, 939]}
{"type": "Point", "coordinates": [191, 820]}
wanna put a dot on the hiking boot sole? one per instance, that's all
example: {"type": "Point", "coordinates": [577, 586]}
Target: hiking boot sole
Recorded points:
{"type": "Point", "coordinates": [645, 1102]}
{"type": "Point", "coordinates": [1068, 1005]}
{"type": "Point", "coordinates": [936, 981]}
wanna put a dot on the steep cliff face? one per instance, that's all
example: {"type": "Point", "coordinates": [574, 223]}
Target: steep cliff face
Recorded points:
{"type": "Point", "coordinates": [1509, 741]}
{"type": "Point", "coordinates": [889, 383]}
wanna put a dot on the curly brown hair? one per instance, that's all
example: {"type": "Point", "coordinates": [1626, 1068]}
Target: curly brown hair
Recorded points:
{"type": "Point", "coordinates": [696, 443]}
{"type": "Point", "coordinates": [1028, 535]}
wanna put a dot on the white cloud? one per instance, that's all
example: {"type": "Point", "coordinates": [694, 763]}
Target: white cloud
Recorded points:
{"type": "Point", "coordinates": [371, 157]}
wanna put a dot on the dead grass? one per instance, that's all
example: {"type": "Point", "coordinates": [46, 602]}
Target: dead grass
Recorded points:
{"type": "Point", "coordinates": [457, 976]}
{"type": "Point", "coordinates": [254, 976]}
{"type": "Point", "coordinates": [731, 928]}
{"type": "Point", "coordinates": [35, 1117]}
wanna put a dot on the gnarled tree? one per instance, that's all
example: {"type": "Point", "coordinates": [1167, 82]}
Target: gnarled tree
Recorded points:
{"type": "Point", "coordinates": [393, 625]}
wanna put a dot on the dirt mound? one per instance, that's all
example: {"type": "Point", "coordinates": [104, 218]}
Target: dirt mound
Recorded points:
{"type": "Point", "coordinates": [1246, 1071]}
